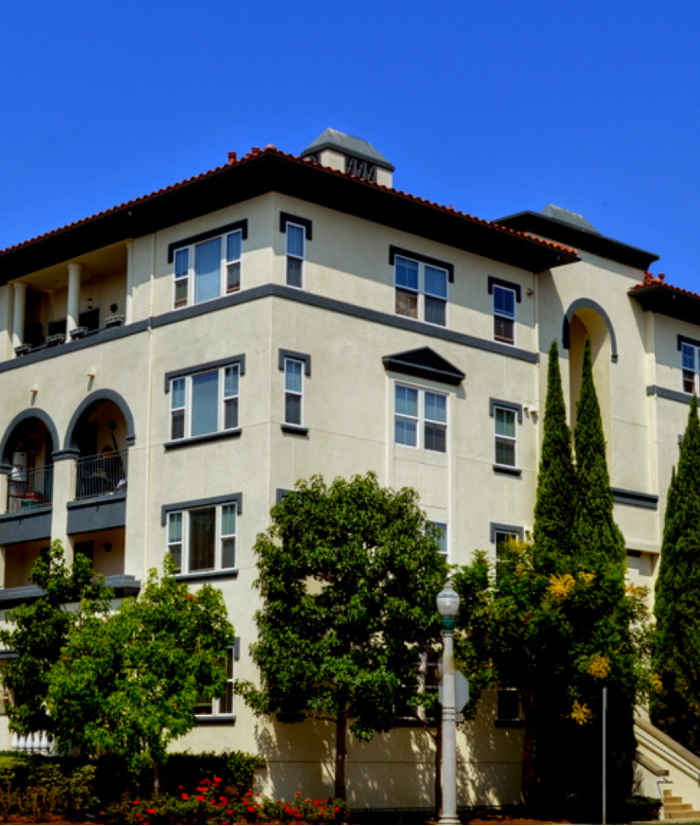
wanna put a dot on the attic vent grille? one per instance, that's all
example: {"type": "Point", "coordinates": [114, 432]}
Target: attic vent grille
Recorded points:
{"type": "Point", "coordinates": [360, 168]}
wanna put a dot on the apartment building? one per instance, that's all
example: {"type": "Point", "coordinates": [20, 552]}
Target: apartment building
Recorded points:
{"type": "Point", "coordinates": [171, 366]}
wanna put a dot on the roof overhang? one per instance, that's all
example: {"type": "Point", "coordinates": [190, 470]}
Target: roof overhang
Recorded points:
{"type": "Point", "coordinates": [272, 171]}
{"type": "Point", "coordinates": [667, 300]}
{"type": "Point", "coordinates": [573, 236]}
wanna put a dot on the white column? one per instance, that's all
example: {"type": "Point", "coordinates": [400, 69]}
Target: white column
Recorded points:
{"type": "Point", "coordinates": [128, 309]}
{"type": "Point", "coordinates": [64, 484]}
{"type": "Point", "coordinates": [449, 734]}
{"type": "Point", "coordinates": [73, 305]}
{"type": "Point", "coordinates": [20, 298]}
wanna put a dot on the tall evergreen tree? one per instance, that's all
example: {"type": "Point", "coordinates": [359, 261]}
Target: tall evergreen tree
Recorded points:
{"type": "Point", "coordinates": [556, 482]}
{"type": "Point", "coordinates": [597, 535]}
{"type": "Point", "coordinates": [676, 660]}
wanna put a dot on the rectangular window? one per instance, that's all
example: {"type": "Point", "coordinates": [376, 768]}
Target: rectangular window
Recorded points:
{"type": "Point", "coordinates": [505, 444]}
{"type": "Point", "coordinates": [203, 539]}
{"type": "Point", "coordinates": [420, 414]}
{"type": "Point", "coordinates": [293, 391]}
{"type": "Point", "coordinates": [205, 402]}
{"type": "Point", "coordinates": [296, 239]}
{"type": "Point", "coordinates": [442, 539]}
{"type": "Point", "coordinates": [690, 365]}
{"type": "Point", "coordinates": [207, 270]}
{"type": "Point", "coordinates": [508, 706]}
{"type": "Point", "coordinates": [421, 290]}
{"type": "Point", "coordinates": [207, 707]}
{"type": "Point", "coordinates": [503, 314]}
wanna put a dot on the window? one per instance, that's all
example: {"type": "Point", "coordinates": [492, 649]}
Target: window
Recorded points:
{"type": "Point", "coordinates": [295, 255]}
{"type": "Point", "coordinates": [295, 367]}
{"type": "Point", "coordinates": [501, 535]}
{"type": "Point", "coordinates": [504, 420]}
{"type": "Point", "coordinates": [419, 412]}
{"type": "Point", "coordinates": [206, 707]}
{"type": "Point", "coordinates": [298, 231]}
{"type": "Point", "coordinates": [203, 539]}
{"type": "Point", "coordinates": [508, 709]}
{"type": "Point", "coordinates": [690, 354]}
{"type": "Point", "coordinates": [421, 290]}
{"type": "Point", "coordinates": [204, 402]}
{"type": "Point", "coordinates": [504, 314]}
{"type": "Point", "coordinates": [208, 269]}
{"type": "Point", "coordinates": [442, 538]}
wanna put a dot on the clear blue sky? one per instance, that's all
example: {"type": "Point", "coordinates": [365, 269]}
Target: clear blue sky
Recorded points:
{"type": "Point", "coordinates": [491, 107]}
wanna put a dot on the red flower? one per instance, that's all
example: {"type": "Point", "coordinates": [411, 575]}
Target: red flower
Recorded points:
{"type": "Point", "coordinates": [217, 780]}
{"type": "Point", "coordinates": [185, 796]}
{"type": "Point", "coordinates": [201, 798]}
{"type": "Point", "coordinates": [135, 802]}
{"type": "Point", "coordinates": [151, 811]}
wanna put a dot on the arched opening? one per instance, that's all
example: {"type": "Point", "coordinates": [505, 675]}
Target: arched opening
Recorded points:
{"type": "Point", "coordinates": [28, 451]}
{"type": "Point", "coordinates": [100, 434]}
{"type": "Point", "coordinates": [587, 323]}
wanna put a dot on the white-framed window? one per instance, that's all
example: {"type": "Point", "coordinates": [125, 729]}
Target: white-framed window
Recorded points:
{"type": "Point", "coordinates": [421, 290]}
{"type": "Point", "coordinates": [204, 402]}
{"type": "Point", "coordinates": [203, 539]}
{"type": "Point", "coordinates": [420, 418]}
{"type": "Point", "coordinates": [442, 538]}
{"type": "Point", "coordinates": [296, 250]}
{"type": "Point", "coordinates": [206, 270]}
{"type": "Point", "coordinates": [505, 436]}
{"type": "Point", "coordinates": [293, 391]}
{"type": "Point", "coordinates": [690, 364]}
{"type": "Point", "coordinates": [220, 706]}
{"type": "Point", "coordinates": [504, 299]}
{"type": "Point", "coordinates": [508, 707]}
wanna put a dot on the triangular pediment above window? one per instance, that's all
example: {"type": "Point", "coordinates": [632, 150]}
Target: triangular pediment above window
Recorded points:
{"type": "Point", "coordinates": [425, 364]}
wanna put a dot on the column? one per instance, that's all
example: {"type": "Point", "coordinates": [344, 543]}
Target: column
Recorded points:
{"type": "Point", "coordinates": [73, 304]}
{"type": "Point", "coordinates": [64, 482]}
{"type": "Point", "coordinates": [20, 298]}
{"type": "Point", "coordinates": [128, 309]}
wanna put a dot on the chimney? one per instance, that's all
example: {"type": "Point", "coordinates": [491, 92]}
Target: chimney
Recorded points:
{"type": "Point", "coordinates": [351, 155]}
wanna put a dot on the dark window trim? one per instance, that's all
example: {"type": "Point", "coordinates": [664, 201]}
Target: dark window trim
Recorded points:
{"type": "Point", "coordinates": [191, 504]}
{"type": "Point", "coordinates": [508, 285]}
{"type": "Point", "coordinates": [686, 340]}
{"type": "Point", "coordinates": [499, 527]}
{"type": "Point", "coordinates": [294, 429]}
{"type": "Point", "coordinates": [214, 719]}
{"type": "Point", "coordinates": [507, 470]}
{"type": "Point", "coordinates": [635, 498]}
{"type": "Point", "coordinates": [204, 367]}
{"type": "Point", "coordinates": [204, 236]}
{"type": "Point", "coordinates": [401, 363]}
{"type": "Point", "coordinates": [423, 259]}
{"type": "Point", "coordinates": [280, 493]}
{"type": "Point", "coordinates": [514, 406]}
{"type": "Point", "coordinates": [292, 354]}
{"type": "Point", "coordinates": [231, 433]}
{"type": "Point", "coordinates": [203, 576]}
{"type": "Point", "coordinates": [288, 218]}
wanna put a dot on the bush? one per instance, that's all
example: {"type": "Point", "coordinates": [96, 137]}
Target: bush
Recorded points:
{"type": "Point", "coordinates": [213, 803]}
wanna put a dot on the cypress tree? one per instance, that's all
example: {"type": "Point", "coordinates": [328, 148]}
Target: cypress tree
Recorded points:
{"type": "Point", "coordinates": [676, 658]}
{"type": "Point", "coordinates": [597, 535]}
{"type": "Point", "coordinates": [556, 481]}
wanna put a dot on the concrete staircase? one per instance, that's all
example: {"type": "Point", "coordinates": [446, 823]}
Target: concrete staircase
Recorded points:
{"type": "Point", "coordinates": [675, 809]}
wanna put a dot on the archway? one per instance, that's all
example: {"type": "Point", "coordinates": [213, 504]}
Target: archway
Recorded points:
{"type": "Point", "coordinates": [26, 452]}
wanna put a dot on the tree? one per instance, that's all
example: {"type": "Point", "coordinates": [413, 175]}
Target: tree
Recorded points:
{"type": "Point", "coordinates": [348, 575]}
{"type": "Point", "coordinates": [39, 630]}
{"type": "Point", "coordinates": [676, 654]}
{"type": "Point", "coordinates": [128, 683]}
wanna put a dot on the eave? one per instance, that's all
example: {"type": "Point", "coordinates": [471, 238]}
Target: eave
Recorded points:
{"type": "Point", "coordinates": [273, 171]}
{"type": "Point", "coordinates": [669, 301]}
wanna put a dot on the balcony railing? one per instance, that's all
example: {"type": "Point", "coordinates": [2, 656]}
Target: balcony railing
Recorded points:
{"type": "Point", "coordinates": [29, 488]}
{"type": "Point", "coordinates": [103, 475]}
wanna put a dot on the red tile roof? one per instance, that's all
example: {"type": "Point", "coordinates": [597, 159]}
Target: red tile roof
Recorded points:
{"type": "Point", "coordinates": [651, 280]}
{"type": "Point", "coordinates": [257, 152]}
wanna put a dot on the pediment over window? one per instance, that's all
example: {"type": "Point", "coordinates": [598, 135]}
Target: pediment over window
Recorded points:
{"type": "Point", "coordinates": [425, 364]}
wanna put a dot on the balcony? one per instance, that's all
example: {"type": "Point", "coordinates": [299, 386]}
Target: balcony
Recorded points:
{"type": "Point", "coordinates": [103, 475]}
{"type": "Point", "coordinates": [29, 488]}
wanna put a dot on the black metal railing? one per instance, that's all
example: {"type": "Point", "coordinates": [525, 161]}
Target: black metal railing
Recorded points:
{"type": "Point", "coordinates": [103, 475]}
{"type": "Point", "coordinates": [29, 488]}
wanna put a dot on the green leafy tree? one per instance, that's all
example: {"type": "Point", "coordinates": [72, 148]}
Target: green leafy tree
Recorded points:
{"type": "Point", "coordinates": [348, 575]}
{"type": "Point", "coordinates": [676, 658]}
{"type": "Point", "coordinates": [38, 630]}
{"type": "Point", "coordinates": [128, 683]}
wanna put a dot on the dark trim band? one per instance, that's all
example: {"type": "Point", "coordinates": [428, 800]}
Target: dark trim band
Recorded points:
{"type": "Point", "coordinates": [190, 504]}
{"type": "Point", "coordinates": [635, 498]}
{"type": "Point", "coordinates": [204, 367]}
{"type": "Point", "coordinates": [233, 433]}
{"type": "Point", "coordinates": [499, 527]}
{"type": "Point", "coordinates": [204, 236]}
{"type": "Point", "coordinates": [424, 259]}
{"type": "Point", "coordinates": [670, 395]}
{"type": "Point", "coordinates": [508, 285]}
{"type": "Point", "coordinates": [292, 354]}
{"type": "Point", "coordinates": [686, 340]}
{"type": "Point", "coordinates": [288, 218]}
{"type": "Point", "coordinates": [516, 408]}
{"type": "Point", "coordinates": [588, 303]}
{"type": "Point", "coordinates": [90, 403]}
{"type": "Point", "coordinates": [29, 413]}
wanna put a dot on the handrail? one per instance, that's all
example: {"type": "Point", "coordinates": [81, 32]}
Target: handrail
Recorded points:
{"type": "Point", "coordinates": [661, 741]}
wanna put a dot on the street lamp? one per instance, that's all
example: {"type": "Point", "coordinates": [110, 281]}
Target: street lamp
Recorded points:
{"type": "Point", "coordinates": [448, 604]}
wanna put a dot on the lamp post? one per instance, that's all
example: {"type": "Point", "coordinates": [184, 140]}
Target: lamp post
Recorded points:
{"type": "Point", "coordinates": [448, 604]}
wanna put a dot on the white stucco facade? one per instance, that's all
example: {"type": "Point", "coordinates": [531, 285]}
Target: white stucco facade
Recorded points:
{"type": "Point", "coordinates": [117, 435]}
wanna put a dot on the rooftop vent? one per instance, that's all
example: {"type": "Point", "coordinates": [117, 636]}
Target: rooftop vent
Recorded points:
{"type": "Point", "coordinates": [568, 217]}
{"type": "Point", "coordinates": [351, 155]}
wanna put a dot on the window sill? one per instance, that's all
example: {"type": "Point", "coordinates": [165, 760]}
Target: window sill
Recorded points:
{"type": "Point", "coordinates": [215, 719]}
{"type": "Point", "coordinates": [202, 576]}
{"type": "Point", "coordinates": [234, 433]}
{"type": "Point", "coordinates": [509, 723]}
{"type": "Point", "coordinates": [506, 470]}
{"type": "Point", "coordinates": [294, 429]}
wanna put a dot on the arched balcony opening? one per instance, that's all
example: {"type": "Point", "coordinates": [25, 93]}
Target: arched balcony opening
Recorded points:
{"type": "Point", "coordinates": [100, 435]}
{"type": "Point", "coordinates": [28, 451]}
